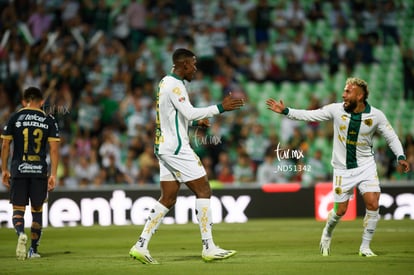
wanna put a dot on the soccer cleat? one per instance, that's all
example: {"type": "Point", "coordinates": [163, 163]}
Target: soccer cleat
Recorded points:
{"type": "Point", "coordinates": [217, 254]}
{"type": "Point", "coordinates": [325, 244]}
{"type": "Point", "coordinates": [21, 247]}
{"type": "Point", "coordinates": [142, 255]}
{"type": "Point", "coordinates": [366, 252]}
{"type": "Point", "coordinates": [32, 254]}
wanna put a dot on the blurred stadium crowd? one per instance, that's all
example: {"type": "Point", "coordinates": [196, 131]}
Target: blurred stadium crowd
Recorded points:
{"type": "Point", "coordinates": [99, 61]}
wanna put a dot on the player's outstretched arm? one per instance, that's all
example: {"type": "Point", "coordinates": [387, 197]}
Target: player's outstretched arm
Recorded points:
{"type": "Point", "coordinates": [275, 106]}
{"type": "Point", "coordinates": [230, 103]}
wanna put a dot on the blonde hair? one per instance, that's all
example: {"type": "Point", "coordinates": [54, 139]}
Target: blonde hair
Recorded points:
{"type": "Point", "coordinates": [360, 83]}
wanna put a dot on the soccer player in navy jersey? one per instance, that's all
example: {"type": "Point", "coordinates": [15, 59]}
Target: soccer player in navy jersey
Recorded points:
{"type": "Point", "coordinates": [29, 131]}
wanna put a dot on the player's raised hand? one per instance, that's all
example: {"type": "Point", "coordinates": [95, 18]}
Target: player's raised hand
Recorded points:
{"type": "Point", "coordinates": [230, 103]}
{"type": "Point", "coordinates": [275, 106]}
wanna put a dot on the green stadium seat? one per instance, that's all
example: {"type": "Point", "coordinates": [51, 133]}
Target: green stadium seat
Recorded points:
{"type": "Point", "coordinates": [352, 33]}
{"type": "Point", "coordinates": [269, 89]}
{"type": "Point", "coordinates": [216, 90]}
{"type": "Point", "coordinates": [379, 52]}
{"type": "Point", "coordinates": [253, 91]}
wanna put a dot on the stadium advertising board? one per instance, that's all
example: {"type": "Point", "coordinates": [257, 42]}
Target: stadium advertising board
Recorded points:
{"type": "Point", "coordinates": [324, 203]}
{"type": "Point", "coordinates": [235, 205]}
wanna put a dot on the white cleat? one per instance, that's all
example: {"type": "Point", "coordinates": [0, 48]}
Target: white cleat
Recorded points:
{"type": "Point", "coordinates": [142, 255]}
{"type": "Point", "coordinates": [31, 254]}
{"type": "Point", "coordinates": [366, 252]}
{"type": "Point", "coordinates": [21, 247]}
{"type": "Point", "coordinates": [217, 254]}
{"type": "Point", "coordinates": [325, 245]}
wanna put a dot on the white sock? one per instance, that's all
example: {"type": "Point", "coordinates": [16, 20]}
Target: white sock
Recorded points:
{"type": "Point", "coordinates": [370, 224]}
{"type": "Point", "coordinates": [205, 221]}
{"type": "Point", "coordinates": [331, 222]}
{"type": "Point", "coordinates": [153, 222]}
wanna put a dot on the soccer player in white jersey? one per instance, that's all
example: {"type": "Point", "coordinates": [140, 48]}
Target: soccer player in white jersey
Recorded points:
{"type": "Point", "coordinates": [178, 162]}
{"type": "Point", "coordinates": [355, 122]}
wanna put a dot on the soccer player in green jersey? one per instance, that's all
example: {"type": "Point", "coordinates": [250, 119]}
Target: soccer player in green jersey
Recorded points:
{"type": "Point", "coordinates": [355, 122]}
{"type": "Point", "coordinates": [178, 162]}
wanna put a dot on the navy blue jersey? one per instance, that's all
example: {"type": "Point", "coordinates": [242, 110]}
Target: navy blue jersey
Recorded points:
{"type": "Point", "coordinates": [30, 129]}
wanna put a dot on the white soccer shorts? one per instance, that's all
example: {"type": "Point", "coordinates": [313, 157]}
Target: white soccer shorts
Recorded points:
{"type": "Point", "coordinates": [184, 167]}
{"type": "Point", "coordinates": [344, 182]}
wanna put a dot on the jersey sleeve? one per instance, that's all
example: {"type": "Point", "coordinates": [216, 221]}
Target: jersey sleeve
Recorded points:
{"type": "Point", "coordinates": [386, 130]}
{"type": "Point", "coordinates": [54, 129]}
{"type": "Point", "coordinates": [181, 102]}
{"type": "Point", "coordinates": [8, 129]}
{"type": "Point", "coordinates": [322, 114]}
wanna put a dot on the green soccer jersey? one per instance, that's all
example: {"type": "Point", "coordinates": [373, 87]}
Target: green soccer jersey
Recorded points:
{"type": "Point", "coordinates": [353, 133]}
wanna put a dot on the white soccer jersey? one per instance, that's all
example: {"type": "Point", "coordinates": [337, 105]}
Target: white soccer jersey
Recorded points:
{"type": "Point", "coordinates": [174, 114]}
{"type": "Point", "coordinates": [353, 133]}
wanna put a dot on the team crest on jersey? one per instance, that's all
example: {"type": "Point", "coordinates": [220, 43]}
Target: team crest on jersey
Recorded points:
{"type": "Point", "coordinates": [338, 190]}
{"type": "Point", "coordinates": [177, 91]}
{"type": "Point", "coordinates": [368, 122]}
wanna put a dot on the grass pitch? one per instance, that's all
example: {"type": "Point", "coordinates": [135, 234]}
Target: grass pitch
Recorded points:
{"type": "Point", "coordinates": [271, 246]}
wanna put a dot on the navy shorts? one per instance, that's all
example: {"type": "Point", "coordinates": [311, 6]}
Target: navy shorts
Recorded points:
{"type": "Point", "coordinates": [23, 189]}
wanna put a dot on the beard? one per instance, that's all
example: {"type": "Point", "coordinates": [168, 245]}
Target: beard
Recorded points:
{"type": "Point", "coordinates": [350, 107]}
